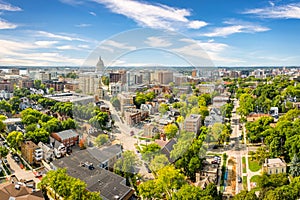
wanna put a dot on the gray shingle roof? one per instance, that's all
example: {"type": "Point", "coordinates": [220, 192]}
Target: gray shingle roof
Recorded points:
{"type": "Point", "coordinates": [66, 134]}
{"type": "Point", "coordinates": [98, 179]}
{"type": "Point", "coordinates": [105, 153]}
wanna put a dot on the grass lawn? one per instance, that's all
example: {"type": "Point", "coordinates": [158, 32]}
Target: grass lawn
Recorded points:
{"type": "Point", "coordinates": [245, 182]}
{"type": "Point", "coordinates": [254, 178]}
{"type": "Point", "coordinates": [244, 164]}
{"type": "Point", "coordinates": [254, 165]}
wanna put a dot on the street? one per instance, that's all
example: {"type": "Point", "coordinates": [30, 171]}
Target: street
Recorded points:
{"type": "Point", "coordinates": [128, 142]}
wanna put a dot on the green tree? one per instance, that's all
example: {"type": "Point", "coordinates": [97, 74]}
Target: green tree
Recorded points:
{"type": "Point", "coordinates": [5, 106]}
{"type": "Point", "coordinates": [189, 192]}
{"type": "Point", "coordinates": [3, 151]}
{"type": "Point", "coordinates": [167, 182]}
{"type": "Point", "coordinates": [68, 124]}
{"type": "Point", "coordinates": [15, 138]}
{"type": "Point", "coordinates": [163, 108]}
{"type": "Point", "coordinates": [38, 135]}
{"type": "Point", "coordinates": [158, 162]}
{"type": "Point", "coordinates": [115, 102]}
{"type": "Point", "coordinates": [15, 103]}
{"type": "Point", "coordinates": [105, 80]}
{"type": "Point", "coordinates": [295, 166]}
{"type": "Point", "coordinates": [101, 139]}
{"type": "Point", "coordinates": [2, 125]}
{"type": "Point", "coordinates": [184, 141]}
{"type": "Point", "coordinates": [170, 130]}
{"type": "Point", "coordinates": [245, 195]}
{"type": "Point", "coordinates": [246, 104]}
{"type": "Point", "coordinates": [149, 151]}
{"type": "Point", "coordinates": [66, 186]}
{"type": "Point", "coordinates": [51, 90]}
{"type": "Point", "coordinates": [126, 165]}
{"type": "Point", "coordinates": [99, 120]}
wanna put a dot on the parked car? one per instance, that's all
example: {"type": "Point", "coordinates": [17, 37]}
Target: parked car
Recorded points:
{"type": "Point", "coordinates": [214, 162]}
{"type": "Point", "coordinates": [16, 158]}
{"type": "Point", "coordinates": [240, 179]}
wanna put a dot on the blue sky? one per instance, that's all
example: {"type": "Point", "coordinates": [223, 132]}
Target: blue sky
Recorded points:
{"type": "Point", "coordinates": [76, 32]}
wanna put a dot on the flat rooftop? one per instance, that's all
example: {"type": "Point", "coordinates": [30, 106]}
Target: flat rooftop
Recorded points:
{"type": "Point", "coordinates": [69, 97]}
{"type": "Point", "coordinates": [109, 184]}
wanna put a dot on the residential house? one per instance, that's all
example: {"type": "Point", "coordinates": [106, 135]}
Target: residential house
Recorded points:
{"type": "Point", "coordinates": [207, 175]}
{"type": "Point", "coordinates": [67, 137]}
{"type": "Point", "coordinates": [215, 116]}
{"type": "Point", "coordinates": [148, 108]}
{"type": "Point", "coordinates": [274, 166]}
{"type": "Point", "coordinates": [126, 101]}
{"type": "Point", "coordinates": [48, 151]}
{"type": "Point", "coordinates": [106, 156]}
{"type": "Point", "coordinates": [166, 148]}
{"type": "Point", "coordinates": [255, 116]}
{"type": "Point", "coordinates": [31, 152]}
{"type": "Point", "coordinates": [150, 130]}
{"type": "Point", "coordinates": [135, 116]}
{"type": "Point", "coordinates": [19, 191]}
{"type": "Point", "coordinates": [219, 101]}
{"type": "Point", "coordinates": [85, 167]}
{"type": "Point", "coordinates": [206, 88]}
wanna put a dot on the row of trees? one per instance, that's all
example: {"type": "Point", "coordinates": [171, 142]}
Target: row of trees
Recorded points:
{"type": "Point", "coordinates": [277, 92]}
{"type": "Point", "coordinates": [281, 139]}
{"type": "Point", "coordinates": [273, 187]}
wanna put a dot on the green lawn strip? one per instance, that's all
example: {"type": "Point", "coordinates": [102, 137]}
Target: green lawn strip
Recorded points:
{"type": "Point", "coordinates": [254, 165]}
{"type": "Point", "coordinates": [6, 169]}
{"type": "Point", "coordinates": [244, 164]}
{"type": "Point", "coordinates": [245, 182]}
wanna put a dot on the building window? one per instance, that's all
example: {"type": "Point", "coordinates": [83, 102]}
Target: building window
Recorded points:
{"type": "Point", "coordinates": [276, 171]}
{"type": "Point", "coordinates": [270, 172]}
{"type": "Point", "coordinates": [282, 170]}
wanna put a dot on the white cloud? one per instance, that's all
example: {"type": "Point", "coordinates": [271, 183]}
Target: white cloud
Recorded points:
{"type": "Point", "coordinates": [206, 50]}
{"type": "Point", "coordinates": [58, 36]}
{"type": "Point", "coordinates": [7, 25]}
{"type": "Point", "coordinates": [235, 26]}
{"type": "Point", "coordinates": [84, 46]}
{"type": "Point", "coordinates": [9, 7]}
{"type": "Point", "coordinates": [26, 53]}
{"type": "Point", "coordinates": [67, 47]}
{"type": "Point", "coordinates": [118, 45]}
{"type": "Point", "coordinates": [92, 13]}
{"type": "Point", "coordinates": [45, 43]}
{"type": "Point", "coordinates": [152, 15]}
{"type": "Point", "coordinates": [82, 25]}
{"type": "Point", "coordinates": [157, 42]}
{"type": "Point", "coordinates": [289, 11]}
{"type": "Point", "coordinates": [197, 24]}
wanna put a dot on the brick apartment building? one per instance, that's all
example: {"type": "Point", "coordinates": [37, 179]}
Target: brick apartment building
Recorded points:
{"type": "Point", "coordinates": [31, 152]}
{"type": "Point", "coordinates": [67, 137]}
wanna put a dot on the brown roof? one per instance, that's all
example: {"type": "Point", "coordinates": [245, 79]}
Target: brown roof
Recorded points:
{"type": "Point", "coordinates": [8, 190]}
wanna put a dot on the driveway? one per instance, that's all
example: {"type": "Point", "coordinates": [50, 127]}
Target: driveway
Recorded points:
{"type": "Point", "coordinates": [20, 173]}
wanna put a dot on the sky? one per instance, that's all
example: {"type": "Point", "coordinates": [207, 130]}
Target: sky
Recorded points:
{"type": "Point", "coordinates": [158, 32]}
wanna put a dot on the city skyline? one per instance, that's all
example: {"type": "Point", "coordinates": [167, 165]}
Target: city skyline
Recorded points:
{"type": "Point", "coordinates": [67, 32]}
